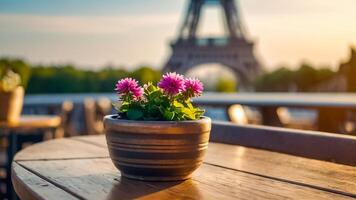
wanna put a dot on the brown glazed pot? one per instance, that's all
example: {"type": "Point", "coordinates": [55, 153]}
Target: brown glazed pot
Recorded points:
{"type": "Point", "coordinates": [11, 105]}
{"type": "Point", "coordinates": [157, 150]}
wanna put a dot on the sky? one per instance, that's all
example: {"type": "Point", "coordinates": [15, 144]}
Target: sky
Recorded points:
{"type": "Point", "coordinates": [129, 33]}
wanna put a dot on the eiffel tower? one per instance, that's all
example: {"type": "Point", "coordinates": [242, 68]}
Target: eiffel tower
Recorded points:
{"type": "Point", "coordinates": [233, 51]}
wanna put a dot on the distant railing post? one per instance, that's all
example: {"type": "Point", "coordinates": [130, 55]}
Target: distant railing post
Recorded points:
{"type": "Point", "coordinates": [270, 116]}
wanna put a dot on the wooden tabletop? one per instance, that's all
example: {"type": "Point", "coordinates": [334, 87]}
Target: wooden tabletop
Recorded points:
{"type": "Point", "coordinates": [33, 121]}
{"type": "Point", "coordinates": [80, 168]}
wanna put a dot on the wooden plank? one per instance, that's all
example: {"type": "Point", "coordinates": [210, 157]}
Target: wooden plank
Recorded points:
{"type": "Point", "coordinates": [315, 173]}
{"type": "Point", "coordinates": [326, 175]}
{"type": "Point", "coordinates": [29, 186]}
{"type": "Point", "coordinates": [61, 149]}
{"type": "Point", "coordinates": [99, 179]}
{"type": "Point", "coordinates": [310, 144]}
{"type": "Point", "coordinates": [92, 139]}
{"type": "Point", "coordinates": [321, 174]}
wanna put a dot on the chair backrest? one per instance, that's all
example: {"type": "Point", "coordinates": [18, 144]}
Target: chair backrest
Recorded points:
{"type": "Point", "coordinates": [310, 144]}
{"type": "Point", "coordinates": [94, 112]}
{"type": "Point", "coordinates": [103, 107]}
{"type": "Point", "coordinates": [89, 116]}
{"type": "Point", "coordinates": [66, 114]}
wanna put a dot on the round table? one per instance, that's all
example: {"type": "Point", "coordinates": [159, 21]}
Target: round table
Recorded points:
{"type": "Point", "coordinates": [29, 129]}
{"type": "Point", "coordinates": [81, 168]}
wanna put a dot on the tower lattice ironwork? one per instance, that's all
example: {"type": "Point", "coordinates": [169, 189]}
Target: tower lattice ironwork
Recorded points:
{"type": "Point", "coordinates": [234, 51]}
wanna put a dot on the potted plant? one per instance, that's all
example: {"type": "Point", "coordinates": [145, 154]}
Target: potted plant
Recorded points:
{"type": "Point", "coordinates": [11, 97]}
{"type": "Point", "coordinates": [158, 135]}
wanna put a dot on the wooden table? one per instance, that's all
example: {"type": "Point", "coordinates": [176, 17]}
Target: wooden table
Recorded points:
{"type": "Point", "coordinates": [29, 128]}
{"type": "Point", "coordinates": [80, 168]}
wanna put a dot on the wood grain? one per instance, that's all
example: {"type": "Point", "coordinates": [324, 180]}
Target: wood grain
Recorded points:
{"type": "Point", "coordinates": [29, 186]}
{"type": "Point", "coordinates": [99, 179]}
{"type": "Point", "coordinates": [92, 139]}
{"type": "Point", "coordinates": [326, 175]}
{"type": "Point", "coordinates": [157, 151]}
{"type": "Point", "coordinates": [61, 149]}
{"type": "Point", "coordinates": [81, 166]}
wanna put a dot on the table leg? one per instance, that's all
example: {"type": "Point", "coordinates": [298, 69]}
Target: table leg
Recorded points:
{"type": "Point", "coordinates": [270, 116]}
{"type": "Point", "coordinates": [15, 144]}
{"type": "Point", "coordinates": [11, 151]}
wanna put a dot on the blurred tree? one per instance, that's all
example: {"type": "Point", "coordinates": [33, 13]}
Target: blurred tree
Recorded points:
{"type": "Point", "coordinates": [107, 78]}
{"type": "Point", "coordinates": [304, 79]}
{"type": "Point", "coordinates": [57, 79]}
{"type": "Point", "coordinates": [68, 79]}
{"type": "Point", "coordinates": [348, 70]}
{"type": "Point", "coordinates": [146, 74]}
{"type": "Point", "coordinates": [279, 80]}
{"type": "Point", "coordinates": [226, 85]}
{"type": "Point", "coordinates": [324, 74]}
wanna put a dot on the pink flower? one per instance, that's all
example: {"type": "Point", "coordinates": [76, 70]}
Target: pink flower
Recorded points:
{"type": "Point", "coordinates": [129, 86]}
{"type": "Point", "coordinates": [172, 83]}
{"type": "Point", "coordinates": [194, 87]}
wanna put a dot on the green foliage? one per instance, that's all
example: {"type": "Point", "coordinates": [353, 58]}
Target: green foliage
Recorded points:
{"type": "Point", "coordinates": [156, 106]}
{"type": "Point", "coordinates": [348, 70]}
{"type": "Point", "coordinates": [146, 74]}
{"type": "Point", "coordinates": [69, 79]}
{"type": "Point", "coordinates": [59, 79]}
{"type": "Point", "coordinates": [277, 81]}
{"type": "Point", "coordinates": [304, 79]}
{"type": "Point", "coordinates": [226, 85]}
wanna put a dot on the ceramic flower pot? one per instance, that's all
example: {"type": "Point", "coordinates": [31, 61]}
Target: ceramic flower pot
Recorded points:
{"type": "Point", "coordinates": [157, 150]}
{"type": "Point", "coordinates": [11, 105]}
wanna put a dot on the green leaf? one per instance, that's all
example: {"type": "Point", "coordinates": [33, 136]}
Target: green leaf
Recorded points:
{"type": "Point", "coordinates": [124, 107]}
{"type": "Point", "coordinates": [134, 114]}
{"type": "Point", "coordinates": [151, 87]}
{"type": "Point", "coordinates": [178, 105]}
{"type": "Point", "coordinates": [155, 94]}
{"type": "Point", "coordinates": [152, 110]}
{"type": "Point", "coordinates": [199, 113]}
{"type": "Point", "coordinates": [190, 105]}
{"type": "Point", "coordinates": [189, 113]}
{"type": "Point", "coordinates": [165, 102]}
{"type": "Point", "coordinates": [168, 115]}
